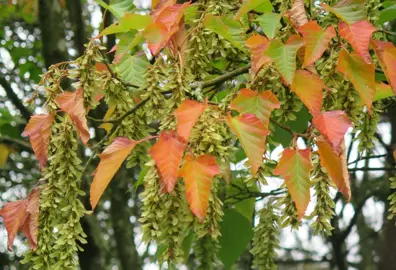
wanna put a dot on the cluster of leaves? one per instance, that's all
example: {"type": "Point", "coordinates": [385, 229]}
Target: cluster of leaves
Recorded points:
{"type": "Point", "coordinates": [291, 49]}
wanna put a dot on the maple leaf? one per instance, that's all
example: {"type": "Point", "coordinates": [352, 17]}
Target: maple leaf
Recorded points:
{"type": "Point", "coordinates": [297, 13]}
{"type": "Point", "coordinates": [350, 11]}
{"type": "Point", "coordinates": [159, 5]}
{"type": "Point", "coordinates": [248, 5]}
{"type": "Point", "coordinates": [336, 166]}
{"type": "Point", "coordinates": [361, 74]}
{"type": "Point", "coordinates": [269, 23]}
{"type": "Point", "coordinates": [284, 57]}
{"type": "Point", "coordinates": [359, 36]}
{"type": "Point", "coordinates": [333, 125]}
{"type": "Point", "coordinates": [252, 134]}
{"type": "Point", "coordinates": [39, 131]}
{"type": "Point", "coordinates": [167, 153]}
{"type": "Point", "coordinates": [110, 161]}
{"type": "Point", "coordinates": [73, 104]}
{"type": "Point", "coordinates": [257, 45]}
{"type": "Point", "coordinates": [198, 174]}
{"type": "Point", "coordinates": [386, 55]}
{"type": "Point", "coordinates": [308, 87]}
{"type": "Point", "coordinates": [187, 115]}
{"type": "Point", "coordinates": [382, 90]}
{"type": "Point", "coordinates": [295, 167]}
{"type": "Point", "coordinates": [166, 20]}
{"type": "Point", "coordinates": [14, 215]}
{"type": "Point", "coordinates": [259, 104]}
{"type": "Point", "coordinates": [30, 226]}
{"type": "Point", "coordinates": [316, 41]}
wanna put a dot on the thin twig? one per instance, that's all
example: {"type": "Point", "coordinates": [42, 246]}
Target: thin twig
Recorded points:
{"type": "Point", "coordinates": [371, 169]}
{"type": "Point", "coordinates": [305, 135]}
{"type": "Point", "coordinates": [222, 78]}
{"type": "Point", "coordinates": [367, 157]}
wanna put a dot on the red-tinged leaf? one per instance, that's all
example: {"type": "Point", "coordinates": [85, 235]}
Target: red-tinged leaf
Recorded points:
{"type": "Point", "coordinates": [297, 13]}
{"type": "Point", "coordinates": [198, 174]}
{"type": "Point", "coordinates": [308, 87]}
{"type": "Point", "coordinates": [257, 45]}
{"type": "Point", "coordinates": [336, 166]}
{"type": "Point", "coordinates": [159, 5]}
{"type": "Point", "coordinates": [73, 104]}
{"type": "Point", "coordinates": [171, 15]}
{"type": "Point", "coordinates": [167, 153]}
{"type": "Point", "coordinates": [316, 41]}
{"type": "Point", "coordinates": [295, 167]}
{"type": "Point", "coordinates": [252, 134]}
{"type": "Point", "coordinates": [157, 35]}
{"type": "Point", "coordinates": [187, 115]}
{"type": "Point", "coordinates": [388, 63]}
{"type": "Point", "coordinates": [39, 131]}
{"type": "Point", "coordinates": [359, 36]}
{"type": "Point", "coordinates": [14, 215]}
{"type": "Point", "coordinates": [284, 57]}
{"type": "Point", "coordinates": [350, 11]}
{"type": "Point", "coordinates": [259, 104]}
{"type": "Point", "coordinates": [110, 161]}
{"type": "Point", "coordinates": [333, 125]}
{"type": "Point", "coordinates": [361, 74]}
{"type": "Point", "coordinates": [30, 226]}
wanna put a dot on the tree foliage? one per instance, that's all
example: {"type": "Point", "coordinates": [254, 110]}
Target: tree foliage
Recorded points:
{"type": "Point", "coordinates": [223, 79]}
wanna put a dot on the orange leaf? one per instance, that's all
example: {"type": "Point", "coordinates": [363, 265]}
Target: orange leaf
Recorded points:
{"type": "Point", "coordinates": [316, 41]}
{"type": "Point", "coordinates": [39, 131]}
{"type": "Point", "coordinates": [359, 36]}
{"type": "Point", "coordinates": [14, 215]}
{"type": "Point", "coordinates": [333, 125]}
{"type": "Point", "coordinates": [259, 104]}
{"type": "Point", "coordinates": [252, 134]}
{"type": "Point", "coordinates": [187, 115]}
{"type": "Point", "coordinates": [73, 104]}
{"type": "Point", "coordinates": [386, 55]}
{"type": "Point", "coordinates": [308, 87]}
{"type": "Point", "coordinates": [198, 174]}
{"type": "Point", "coordinates": [30, 226]}
{"type": "Point", "coordinates": [110, 161]}
{"type": "Point", "coordinates": [159, 5]}
{"type": "Point", "coordinates": [360, 74]}
{"type": "Point", "coordinates": [295, 167]}
{"type": "Point", "coordinates": [171, 15]}
{"type": "Point", "coordinates": [257, 44]}
{"type": "Point", "coordinates": [167, 153]}
{"type": "Point", "coordinates": [336, 166]}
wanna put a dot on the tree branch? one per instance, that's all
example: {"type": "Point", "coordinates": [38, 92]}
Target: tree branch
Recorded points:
{"type": "Point", "coordinates": [371, 169]}
{"type": "Point", "coordinates": [367, 157]}
{"type": "Point", "coordinates": [288, 129]}
{"type": "Point", "coordinates": [26, 114]}
{"type": "Point", "coordinates": [222, 78]}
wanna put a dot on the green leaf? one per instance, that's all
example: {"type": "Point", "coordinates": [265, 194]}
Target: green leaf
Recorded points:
{"type": "Point", "coordinates": [382, 91]}
{"type": "Point", "coordinates": [388, 14]}
{"type": "Point", "coordinates": [284, 57]}
{"type": "Point", "coordinates": [187, 244]}
{"type": "Point", "coordinates": [295, 167]}
{"type": "Point", "coordinates": [231, 30]}
{"type": "Point", "coordinates": [133, 69]}
{"type": "Point", "coordinates": [246, 207]}
{"type": "Point", "coordinates": [236, 233]}
{"type": "Point", "coordinates": [140, 180]}
{"type": "Point", "coordinates": [269, 23]}
{"type": "Point", "coordinates": [257, 5]}
{"type": "Point", "coordinates": [135, 21]}
{"type": "Point", "coordinates": [117, 8]}
{"type": "Point", "coordinates": [350, 11]}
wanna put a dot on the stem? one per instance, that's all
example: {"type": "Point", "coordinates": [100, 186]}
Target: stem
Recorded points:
{"type": "Point", "coordinates": [305, 135]}
{"type": "Point", "coordinates": [371, 169]}
{"type": "Point", "coordinates": [367, 157]}
{"type": "Point", "coordinates": [222, 78]}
